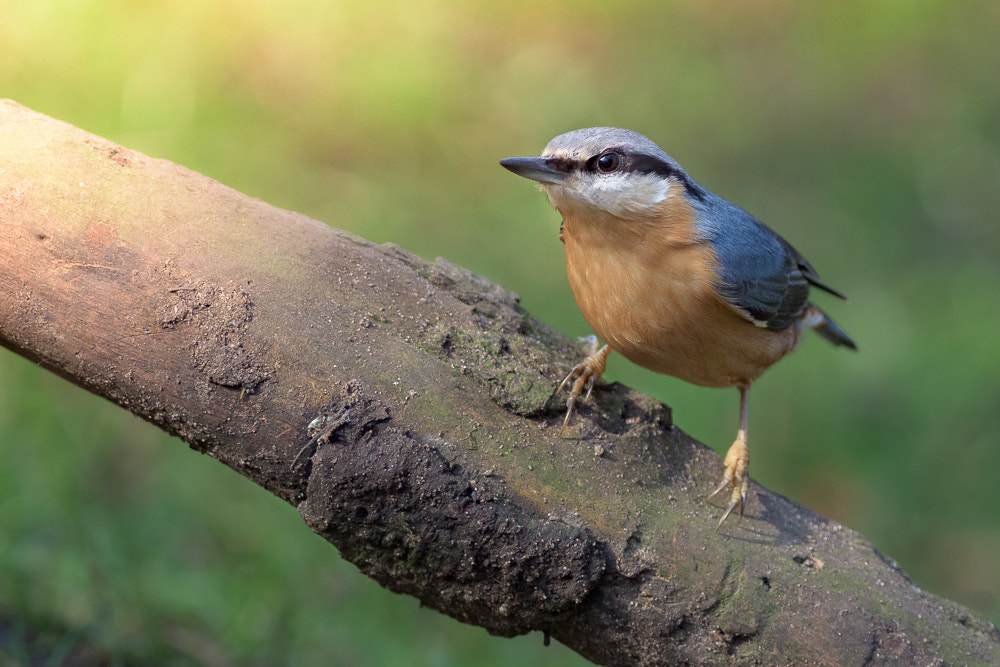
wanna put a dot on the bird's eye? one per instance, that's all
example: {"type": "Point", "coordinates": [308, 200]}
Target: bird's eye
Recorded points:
{"type": "Point", "coordinates": [609, 161]}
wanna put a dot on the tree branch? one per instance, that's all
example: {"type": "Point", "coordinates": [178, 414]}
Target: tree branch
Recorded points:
{"type": "Point", "coordinates": [405, 408]}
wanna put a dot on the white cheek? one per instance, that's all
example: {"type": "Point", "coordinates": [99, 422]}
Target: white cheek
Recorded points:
{"type": "Point", "coordinates": [621, 194]}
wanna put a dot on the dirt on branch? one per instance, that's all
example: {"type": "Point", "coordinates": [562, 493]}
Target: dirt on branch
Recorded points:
{"type": "Point", "coordinates": [405, 407]}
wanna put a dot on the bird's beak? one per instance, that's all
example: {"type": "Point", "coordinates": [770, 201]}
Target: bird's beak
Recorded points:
{"type": "Point", "coordinates": [535, 168]}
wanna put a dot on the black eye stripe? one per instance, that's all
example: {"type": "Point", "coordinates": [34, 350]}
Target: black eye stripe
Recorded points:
{"type": "Point", "coordinates": [648, 164]}
{"type": "Point", "coordinates": [635, 163]}
{"type": "Point", "coordinates": [638, 163]}
{"type": "Point", "coordinates": [562, 163]}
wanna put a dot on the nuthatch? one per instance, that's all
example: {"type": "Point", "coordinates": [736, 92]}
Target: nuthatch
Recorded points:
{"type": "Point", "coordinates": [671, 275]}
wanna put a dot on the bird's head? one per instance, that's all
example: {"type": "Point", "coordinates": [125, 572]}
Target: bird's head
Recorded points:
{"type": "Point", "coordinates": [604, 169]}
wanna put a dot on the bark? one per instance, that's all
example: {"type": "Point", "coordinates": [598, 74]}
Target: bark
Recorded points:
{"type": "Point", "coordinates": [405, 407]}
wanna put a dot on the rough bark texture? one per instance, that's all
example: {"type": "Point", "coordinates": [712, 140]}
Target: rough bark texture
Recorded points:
{"type": "Point", "coordinates": [405, 407]}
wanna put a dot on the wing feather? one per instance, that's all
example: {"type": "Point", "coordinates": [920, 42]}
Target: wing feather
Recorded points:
{"type": "Point", "coordinates": [760, 274]}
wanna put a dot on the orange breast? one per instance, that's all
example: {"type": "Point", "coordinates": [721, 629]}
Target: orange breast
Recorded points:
{"type": "Point", "coordinates": [646, 288]}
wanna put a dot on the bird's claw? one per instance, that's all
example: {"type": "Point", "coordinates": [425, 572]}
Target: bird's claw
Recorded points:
{"type": "Point", "coordinates": [584, 374]}
{"type": "Point", "coordinates": [735, 475]}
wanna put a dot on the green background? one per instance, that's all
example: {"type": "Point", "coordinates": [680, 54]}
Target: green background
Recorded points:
{"type": "Point", "coordinates": [865, 133]}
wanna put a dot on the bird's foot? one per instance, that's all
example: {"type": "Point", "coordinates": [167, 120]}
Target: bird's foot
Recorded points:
{"type": "Point", "coordinates": [584, 374]}
{"type": "Point", "coordinates": [735, 475]}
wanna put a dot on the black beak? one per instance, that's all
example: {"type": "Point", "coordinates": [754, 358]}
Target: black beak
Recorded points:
{"type": "Point", "coordinates": [536, 168]}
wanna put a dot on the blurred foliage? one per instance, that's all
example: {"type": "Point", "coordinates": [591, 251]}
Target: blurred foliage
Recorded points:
{"type": "Point", "coordinates": [866, 133]}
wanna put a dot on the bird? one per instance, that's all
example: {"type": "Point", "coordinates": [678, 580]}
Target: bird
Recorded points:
{"type": "Point", "coordinates": [672, 276]}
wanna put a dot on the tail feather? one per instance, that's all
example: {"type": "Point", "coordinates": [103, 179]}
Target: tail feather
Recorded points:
{"type": "Point", "coordinates": [821, 323]}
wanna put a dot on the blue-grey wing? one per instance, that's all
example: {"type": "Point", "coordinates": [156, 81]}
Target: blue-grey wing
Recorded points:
{"type": "Point", "coordinates": [760, 274]}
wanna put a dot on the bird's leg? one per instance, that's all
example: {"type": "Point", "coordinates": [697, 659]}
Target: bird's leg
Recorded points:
{"type": "Point", "coordinates": [737, 463]}
{"type": "Point", "coordinates": [586, 373]}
